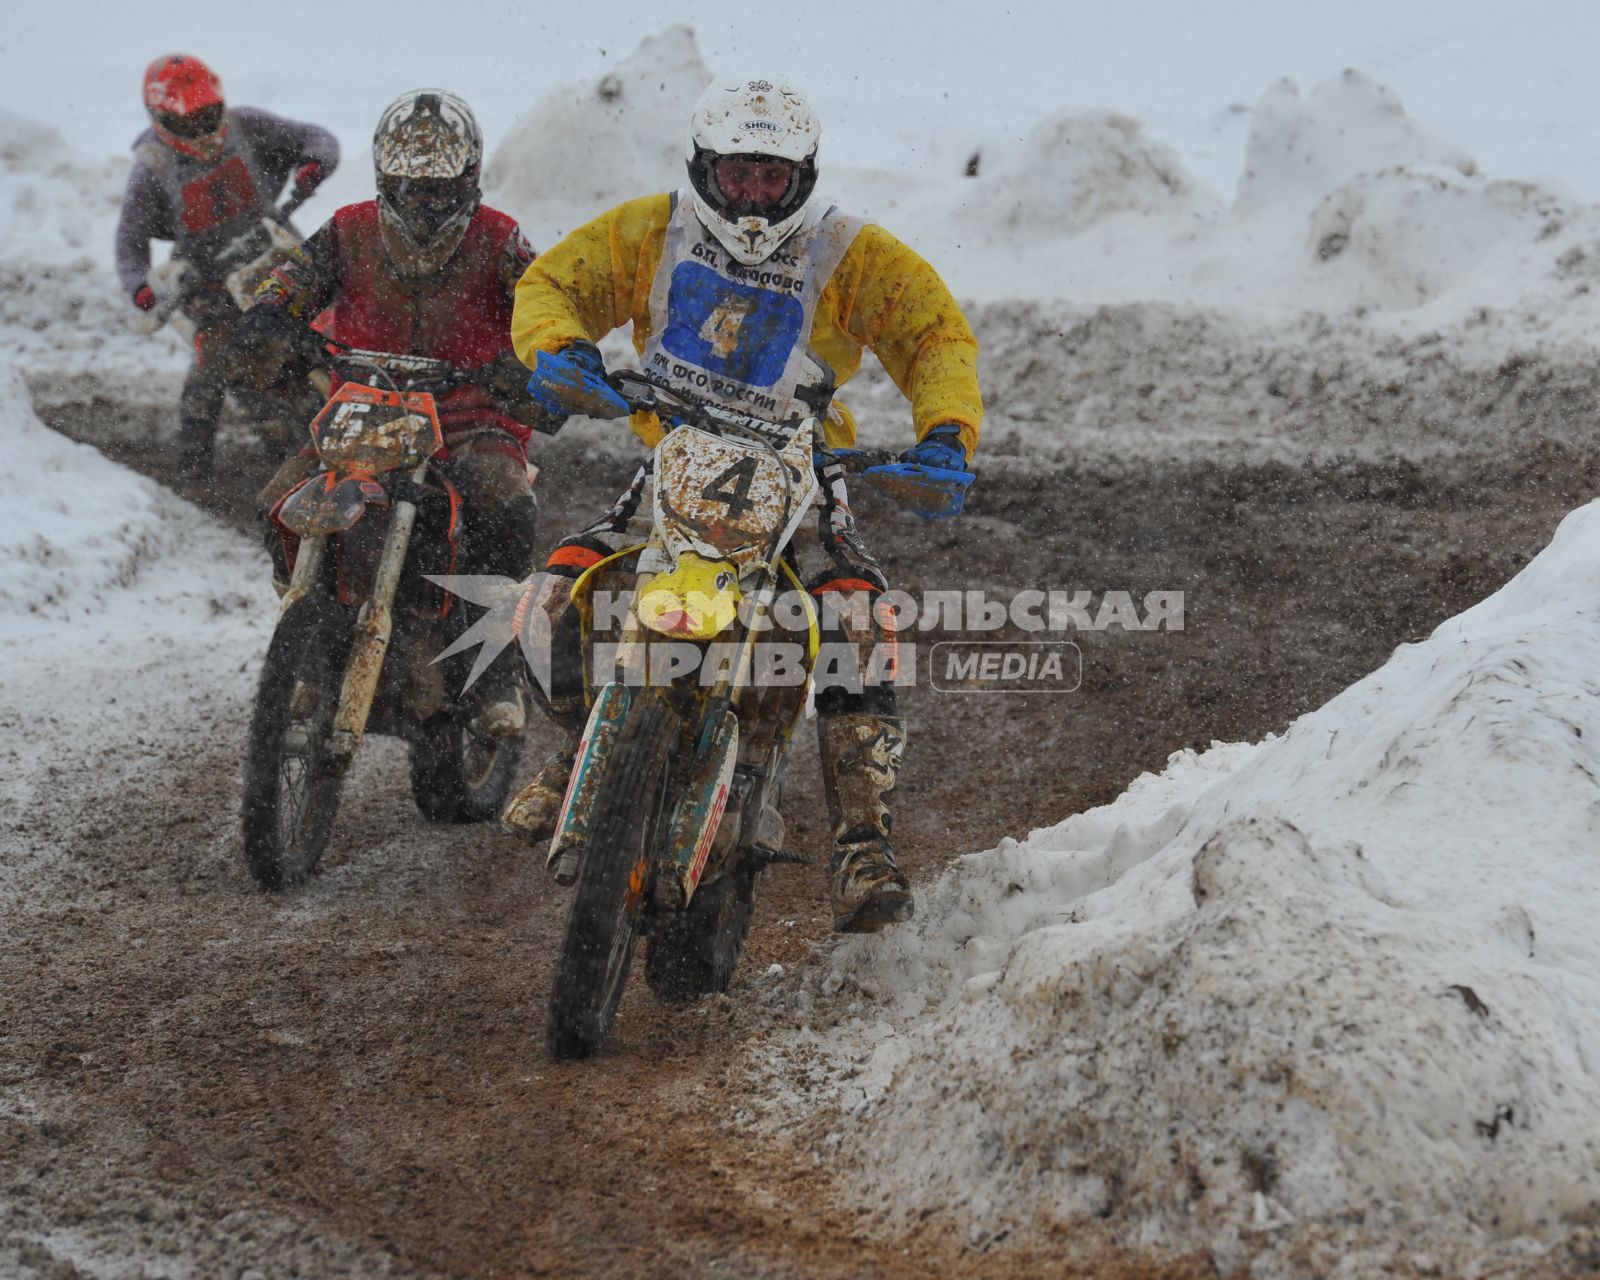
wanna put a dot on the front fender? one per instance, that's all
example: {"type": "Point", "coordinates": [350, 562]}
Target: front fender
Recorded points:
{"type": "Point", "coordinates": [697, 599]}
{"type": "Point", "coordinates": [329, 502]}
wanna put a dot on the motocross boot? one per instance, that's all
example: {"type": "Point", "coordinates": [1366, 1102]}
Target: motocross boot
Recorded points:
{"type": "Point", "coordinates": [196, 446]}
{"type": "Point", "coordinates": [860, 758]}
{"type": "Point", "coordinates": [500, 710]}
{"type": "Point", "coordinates": [532, 812]}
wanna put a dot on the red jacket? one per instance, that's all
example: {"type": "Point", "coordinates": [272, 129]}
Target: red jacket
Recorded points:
{"type": "Point", "coordinates": [462, 314]}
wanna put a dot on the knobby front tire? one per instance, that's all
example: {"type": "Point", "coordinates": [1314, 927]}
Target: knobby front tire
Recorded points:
{"type": "Point", "coordinates": [696, 952]}
{"type": "Point", "coordinates": [291, 791]}
{"type": "Point", "coordinates": [614, 876]}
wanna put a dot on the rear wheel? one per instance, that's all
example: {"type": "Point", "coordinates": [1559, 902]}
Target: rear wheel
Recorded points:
{"type": "Point", "coordinates": [614, 875]}
{"type": "Point", "coordinates": [461, 776]}
{"type": "Point", "coordinates": [291, 790]}
{"type": "Point", "coordinates": [697, 951]}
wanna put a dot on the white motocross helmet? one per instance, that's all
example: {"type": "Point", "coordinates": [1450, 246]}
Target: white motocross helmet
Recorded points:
{"type": "Point", "coordinates": [757, 120]}
{"type": "Point", "coordinates": [428, 152]}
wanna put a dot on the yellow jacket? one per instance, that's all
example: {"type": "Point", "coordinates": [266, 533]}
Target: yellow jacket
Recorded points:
{"type": "Point", "coordinates": [882, 297]}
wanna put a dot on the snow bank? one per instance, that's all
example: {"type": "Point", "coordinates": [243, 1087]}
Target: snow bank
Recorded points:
{"type": "Point", "coordinates": [1347, 979]}
{"type": "Point", "coordinates": [129, 621]}
{"type": "Point", "coordinates": [1301, 148]}
{"type": "Point", "coordinates": [1106, 385]}
{"type": "Point", "coordinates": [62, 310]}
{"type": "Point", "coordinates": [1401, 239]}
{"type": "Point", "coordinates": [52, 203]}
{"type": "Point", "coordinates": [75, 529]}
{"type": "Point", "coordinates": [587, 146]}
{"type": "Point", "coordinates": [1346, 209]}
{"type": "Point", "coordinates": [1080, 168]}
{"type": "Point", "coordinates": [1389, 218]}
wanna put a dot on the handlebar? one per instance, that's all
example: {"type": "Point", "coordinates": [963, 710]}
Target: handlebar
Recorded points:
{"type": "Point", "coordinates": [857, 461]}
{"type": "Point", "coordinates": [183, 288]}
{"type": "Point", "coordinates": [189, 281]}
{"type": "Point", "coordinates": [394, 365]}
{"type": "Point", "coordinates": [295, 200]}
{"type": "Point", "coordinates": [933, 493]}
{"type": "Point", "coordinates": [642, 395]}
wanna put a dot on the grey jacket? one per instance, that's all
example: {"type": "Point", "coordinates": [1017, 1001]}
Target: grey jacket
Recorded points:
{"type": "Point", "coordinates": [168, 197]}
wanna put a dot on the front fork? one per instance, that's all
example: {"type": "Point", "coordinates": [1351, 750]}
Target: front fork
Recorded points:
{"type": "Point", "coordinates": [583, 786]}
{"type": "Point", "coordinates": [700, 810]}
{"type": "Point", "coordinates": [609, 709]}
{"type": "Point", "coordinates": [373, 628]}
{"type": "Point", "coordinates": [693, 825]}
{"type": "Point", "coordinates": [307, 566]}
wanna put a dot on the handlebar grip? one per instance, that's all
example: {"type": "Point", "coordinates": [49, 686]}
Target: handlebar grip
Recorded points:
{"type": "Point", "coordinates": [855, 461]}
{"type": "Point", "coordinates": [149, 321]}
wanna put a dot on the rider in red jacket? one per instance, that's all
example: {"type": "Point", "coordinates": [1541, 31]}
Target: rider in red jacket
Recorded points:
{"type": "Point", "coordinates": [205, 178]}
{"type": "Point", "coordinates": [425, 269]}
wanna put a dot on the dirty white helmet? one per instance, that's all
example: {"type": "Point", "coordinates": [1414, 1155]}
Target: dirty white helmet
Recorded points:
{"type": "Point", "coordinates": [752, 157]}
{"type": "Point", "coordinates": [428, 153]}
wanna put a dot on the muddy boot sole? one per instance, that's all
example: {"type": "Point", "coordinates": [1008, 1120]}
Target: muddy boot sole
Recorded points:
{"type": "Point", "coordinates": [502, 719]}
{"type": "Point", "coordinates": [532, 813]}
{"type": "Point", "coordinates": [876, 912]}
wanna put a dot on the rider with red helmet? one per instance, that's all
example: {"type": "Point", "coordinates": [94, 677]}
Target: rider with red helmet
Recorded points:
{"type": "Point", "coordinates": [204, 177]}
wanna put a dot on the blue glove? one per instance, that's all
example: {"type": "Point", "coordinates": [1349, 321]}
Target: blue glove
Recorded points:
{"type": "Point", "coordinates": [573, 380]}
{"type": "Point", "coordinates": [931, 477]}
{"type": "Point", "coordinates": [586, 356]}
{"type": "Point", "coordinates": [941, 448]}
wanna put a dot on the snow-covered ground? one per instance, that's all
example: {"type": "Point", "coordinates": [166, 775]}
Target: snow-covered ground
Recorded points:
{"type": "Point", "coordinates": [1344, 979]}
{"type": "Point", "coordinates": [64, 319]}
{"type": "Point", "coordinates": [1348, 977]}
{"type": "Point", "coordinates": [130, 621]}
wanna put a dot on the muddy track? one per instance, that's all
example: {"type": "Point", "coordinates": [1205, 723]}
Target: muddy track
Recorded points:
{"type": "Point", "coordinates": [351, 1079]}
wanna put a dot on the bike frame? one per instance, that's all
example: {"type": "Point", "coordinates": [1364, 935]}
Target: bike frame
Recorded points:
{"type": "Point", "coordinates": [728, 762]}
{"type": "Point", "coordinates": [363, 432]}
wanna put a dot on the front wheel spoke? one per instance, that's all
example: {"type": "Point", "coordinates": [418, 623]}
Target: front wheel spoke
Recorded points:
{"type": "Point", "coordinates": [622, 937]}
{"type": "Point", "coordinates": [297, 772]}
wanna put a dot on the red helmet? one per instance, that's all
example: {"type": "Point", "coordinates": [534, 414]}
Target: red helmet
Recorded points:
{"type": "Point", "coordinates": [184, 98]}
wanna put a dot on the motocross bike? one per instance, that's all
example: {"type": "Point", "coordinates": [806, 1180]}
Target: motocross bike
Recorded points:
{"type": "Point", "coordinates": [672, 809]}
{"type": "Point", "coordinates": [240, 264]}
{"type": "Point", "coordinates": [361, 535]}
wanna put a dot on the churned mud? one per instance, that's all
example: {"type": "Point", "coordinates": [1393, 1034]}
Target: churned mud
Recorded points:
{"type": "Point", "coordinates": [351, 1080]}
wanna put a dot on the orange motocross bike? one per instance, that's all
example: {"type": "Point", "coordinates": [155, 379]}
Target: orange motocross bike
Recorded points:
{"type": "Point", "coordinates": [361, 627]}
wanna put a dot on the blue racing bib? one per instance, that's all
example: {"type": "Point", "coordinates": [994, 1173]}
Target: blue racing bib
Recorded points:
{"type": "Point", "coordinates": [731, 330]}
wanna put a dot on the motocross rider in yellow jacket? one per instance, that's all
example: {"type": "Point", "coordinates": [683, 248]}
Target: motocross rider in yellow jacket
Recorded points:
{"type": "Point", "coordinates": [744, 290]}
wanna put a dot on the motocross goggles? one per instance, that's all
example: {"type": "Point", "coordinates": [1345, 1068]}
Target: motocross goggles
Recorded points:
{"type": "Point", "coordinates": [197, 124]}
{"type": "Point", "coordinates": [427, 205]}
